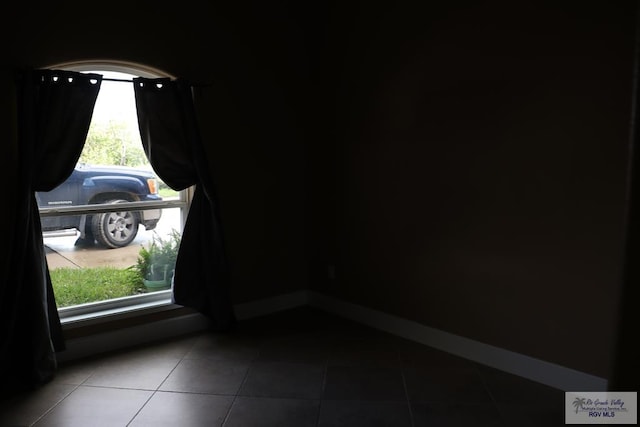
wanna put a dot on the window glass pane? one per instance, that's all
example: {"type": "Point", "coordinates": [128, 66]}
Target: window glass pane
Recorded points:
{"type": "Point", "coordinates": [113, 250]}
{"type": "Point", "coordinates": [83, 274]}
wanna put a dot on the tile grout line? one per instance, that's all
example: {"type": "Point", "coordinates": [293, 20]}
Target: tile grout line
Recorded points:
{"type": "Point", "coordinates": [235, 396]}
{"type": "Point", "coordinates": [161, 383]}
{"type": "Point", "coordinates": [261, 350]}
{"type": "Point", "coordinates": [179, 362]}
{"type": "Point", "coordinates": [141, 407]}
{"type": "Point", "coordinates": [323, 387]}
{"type": "Point", "coordinates": [488, 389]}
{"type": "Point", "coordinates": [77, 386]}
{"type": "Point", "coordinates": [406, 390]}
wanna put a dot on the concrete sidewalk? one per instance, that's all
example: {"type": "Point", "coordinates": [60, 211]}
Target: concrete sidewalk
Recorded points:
{"type": "Point", "coordinates": [61, 252]}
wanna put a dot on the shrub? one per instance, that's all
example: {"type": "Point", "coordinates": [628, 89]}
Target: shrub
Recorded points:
{"type": "Point", "coordinates": [161, 252]}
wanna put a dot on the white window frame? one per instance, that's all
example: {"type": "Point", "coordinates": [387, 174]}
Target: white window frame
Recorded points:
{"type": "Point", "coordinates": [118, 308]}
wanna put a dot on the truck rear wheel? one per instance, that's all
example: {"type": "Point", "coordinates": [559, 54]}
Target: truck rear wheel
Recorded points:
{"type": "Point", "coordinates": [115, 229]}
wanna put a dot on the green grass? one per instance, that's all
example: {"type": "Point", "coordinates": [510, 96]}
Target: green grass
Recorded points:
{"type": "Point", "coordinates": [73, 286]}
{"type": "Point", "coordinates": [167, 192]}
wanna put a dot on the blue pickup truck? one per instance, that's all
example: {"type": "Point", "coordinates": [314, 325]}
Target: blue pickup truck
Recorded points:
{"type": "Point", "coordinates": [103, 184]}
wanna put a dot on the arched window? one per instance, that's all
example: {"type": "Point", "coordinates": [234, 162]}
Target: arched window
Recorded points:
{"type": "Point", "coordinates": [54, 113]}
{"type": "Point", "coordinates": [107, 223]}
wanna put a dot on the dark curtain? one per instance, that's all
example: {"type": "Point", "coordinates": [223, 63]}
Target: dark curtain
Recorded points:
{"type": "Point", "coordinates": [54, 110]}
{"type": "Point", "coordinates": [173, 145]}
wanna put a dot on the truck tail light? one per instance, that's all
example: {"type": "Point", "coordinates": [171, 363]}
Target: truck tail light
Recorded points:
{"type": "Point", "coordinates": [153, 185]}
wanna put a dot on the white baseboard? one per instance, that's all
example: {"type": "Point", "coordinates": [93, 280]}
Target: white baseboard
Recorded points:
{"type": "Point", "coordinates": [528, 367]}
{"type": "Point", "coordinates": [534, 369]}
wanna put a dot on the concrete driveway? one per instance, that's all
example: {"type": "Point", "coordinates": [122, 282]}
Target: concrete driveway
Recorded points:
{"type": "Point", "coordinates": [61, 251]}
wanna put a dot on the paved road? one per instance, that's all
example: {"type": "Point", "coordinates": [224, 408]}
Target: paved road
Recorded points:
{"type": "Point", "coordinates": [61, 251]}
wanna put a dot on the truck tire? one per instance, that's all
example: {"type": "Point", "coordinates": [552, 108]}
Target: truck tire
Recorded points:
{"type": "Point", "coordinates": [115, 229]}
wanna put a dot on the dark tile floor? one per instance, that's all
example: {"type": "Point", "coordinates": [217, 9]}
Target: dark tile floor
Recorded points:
{"type": "Point", "coordinates": [296, 368]}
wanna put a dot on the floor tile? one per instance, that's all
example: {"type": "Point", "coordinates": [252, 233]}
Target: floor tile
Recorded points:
{"type": "Point", "coordinates": [533, 415]}
{"type": "Point", "coordinates": [223, 347]}
{"type": "Point", "coordinates": [77, 372]}
{"type": "Point", "coordinates": [206, 376]}
{"type": "Point", "coordinates": [175, 348]}
{"type": "Point", "coordinates": [137, 371]}
{"type": "Point", "coordinates": [512, 389]}
{"type": "Point", "coordinates": [445, 384]}
{"type": "Point", "coordinates": [26, 408]}
{"type": "Point", "coordinates": [294, 321]}
{"type": "Point", "coordinates": [96, 407]}
{"type": "Point", "coordinates": [364, 383]}
{"type": "Point", "coordinates": [364, 352]}
{"type": "Point", "coordinates": [284, 379]}
{"type": "Point", "coordinates": [416, 355]}
{"type": "Point", "coordinates": [269, 412]}
{"type": "Point", "coordinates": [356, 413]}
{"type": "Point", "coordinates": [299, 348]}
{"type": "Point", "coordinates": [184, 410]}
{"type": "Point", "coordinates": [456, 415]}
{"type": "Point", "coordinates": [273, 371]}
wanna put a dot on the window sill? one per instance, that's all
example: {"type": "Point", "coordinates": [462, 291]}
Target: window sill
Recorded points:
{"type": "Point", "coordinates": [107, 326]}
{"type": "Point", "coordinates": [116, 309]}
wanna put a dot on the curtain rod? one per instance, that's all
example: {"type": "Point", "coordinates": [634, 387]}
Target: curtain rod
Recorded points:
{"type": "Point", "coordinates": [131, 81]}
{"type": "Point", "coordinates": [116, 80]}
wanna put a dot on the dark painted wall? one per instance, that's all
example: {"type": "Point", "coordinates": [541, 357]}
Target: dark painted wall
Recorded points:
{"type": "Point", "coordinates": [480, 158]}
{"type": "Point", "coordinates": [462, 166]}
{"type": "Point", "coordinates": [253, 58]}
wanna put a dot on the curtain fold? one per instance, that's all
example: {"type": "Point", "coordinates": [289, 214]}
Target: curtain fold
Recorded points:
{"type": "Point", "coordinates": [173, 145]}
{"type": "Point", "coordinates": [54, 110]}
